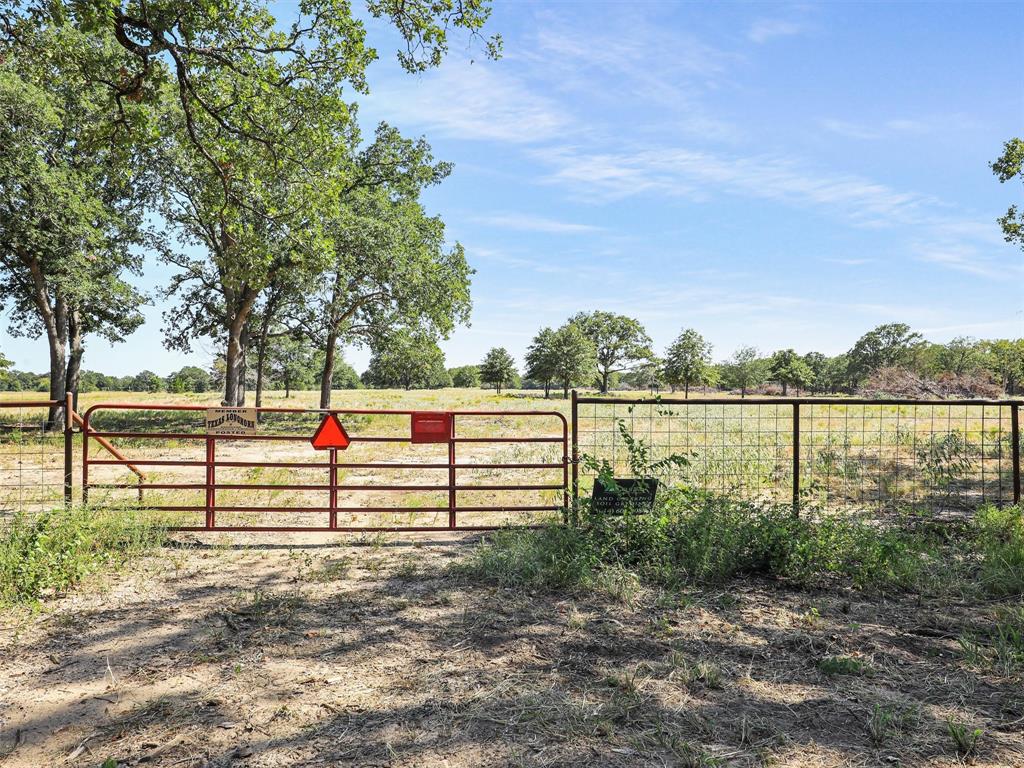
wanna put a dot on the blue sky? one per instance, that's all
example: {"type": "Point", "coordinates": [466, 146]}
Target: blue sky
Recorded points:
{"type": "Point", "coordinates": [775, 175]}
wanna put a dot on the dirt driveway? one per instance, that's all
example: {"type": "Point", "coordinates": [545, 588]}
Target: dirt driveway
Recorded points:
{"type": "Point", "coordinates": [375, 653]}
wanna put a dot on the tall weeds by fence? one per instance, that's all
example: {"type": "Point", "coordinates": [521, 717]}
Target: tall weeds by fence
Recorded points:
{"type": "Point", "coordinates": [934, 456]}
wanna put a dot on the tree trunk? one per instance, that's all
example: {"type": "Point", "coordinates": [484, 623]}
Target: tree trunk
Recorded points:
{"type": "Point", "coordinates": [686, 391]}
{"type": "Point", "coordinates": [261, 360]}
{"type": "Point", "coordinates": [75, 351]}
{"type": "Point", "coordinates": [328, 371]}
{"type": "Point", "coordinates": [565, 389]}
{"type": "Point", "coordinates": [604, 382]}
{"type": "Point", "coordinates": [547, 389]}
{"type": "Point", "coordinates": [234, 361]}
{"type": "Point", "coordinates": [58, 372]}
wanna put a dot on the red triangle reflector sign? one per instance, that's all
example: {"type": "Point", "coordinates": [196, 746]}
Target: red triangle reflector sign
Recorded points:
{"type": "Point", "coordinates": [330, 434]}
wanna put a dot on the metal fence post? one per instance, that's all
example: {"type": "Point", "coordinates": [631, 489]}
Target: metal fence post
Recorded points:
{"type": "Point", "coordinates": [796, 458]}
{"type": "Point", "coordinates": [451, 474]}
{"type": "Point", "coordinates": [69, 452]}
{"type": "Point", "coordinates": [1015, 450]}
{"type": "Point", "coordinates": [332, 478]}
{"type": "Point", "coordinates": [210, 480]}
{"type": "Point", "coordinates": [575, 457]}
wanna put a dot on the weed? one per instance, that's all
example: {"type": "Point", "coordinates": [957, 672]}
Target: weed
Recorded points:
{"type": "Point", "coordinates": [54, 551]}
{"type": "Point", "coordinates": [965, 739]}
{"type": "Point", "coordinates": [881, 724]}
{"type": "Point", "coordinates": [1000, 649]}
{"type": "Point", "coordinates": [841, 665]}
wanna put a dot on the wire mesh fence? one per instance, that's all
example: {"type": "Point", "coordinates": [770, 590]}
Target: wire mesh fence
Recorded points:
{"type": "Point", "coordinates": [930, 456]}
{"type": "Point", "coordinates": [32, 459]}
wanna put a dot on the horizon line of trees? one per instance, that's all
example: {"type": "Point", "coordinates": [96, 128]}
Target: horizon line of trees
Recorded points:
{"type": "Point", "coordinates": [607, 351]}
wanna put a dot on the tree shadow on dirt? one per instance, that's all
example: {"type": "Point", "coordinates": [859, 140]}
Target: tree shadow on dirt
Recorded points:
{"type": "Point", "coordinates": [344, 662]}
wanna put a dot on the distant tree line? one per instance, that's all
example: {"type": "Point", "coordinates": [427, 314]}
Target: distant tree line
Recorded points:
{"type": "Point", "coordinates": [607, 351]}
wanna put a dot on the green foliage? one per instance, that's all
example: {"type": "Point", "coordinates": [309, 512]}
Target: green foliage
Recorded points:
{"type": "Point", "coordinates": [56, 550]}
{"type": "Point", "coordinates": [574, 357]}
{"type": "Point", "coordinates": [841, 665]}
{"type": "Point", "coordinates": [291, 362]}
{"type": "Point", "coordinates": [790, 370]}
{"type": "Point", "coordinates": [146, 381]}
{"type": "Point", "coordinates": [999, 541]}
{"type": "Point", "coordinates": [1009, 166]}
{"type": "Point", "coordinates": [541, 362]}
{"type": "Point", "coordinates": [498, 369]}
{"type": "Point", "coordinates": [407, 359]}
{"type": "Point", "coordinates": [74, 191]}
{"type": "Point", "coordinates": [1001, 648]}
{"type": "Point", "coordinates": [620, 342]}
{"type": "Point", "coordinates": [709, 540]}
{"type": "Point", "coordinates": [189, 379]}
{"type": "Point", "coordinates": [687, 361]}
{"type": "Point", "coordinates": [890, 345]}
{"type": "Point", "coordinates": [345, 376]}
{"type": "Point", "coordinates": [466, 376]}
{"type": "Point", "coordinates": [964, 738]}
{"type": "Point", "coordinates": [388, 262]}
{"type": "Point", "coordinates": [744, 370]}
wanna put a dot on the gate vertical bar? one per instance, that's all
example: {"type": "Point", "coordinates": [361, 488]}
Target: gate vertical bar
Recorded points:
{"type": "Point", "coordinates": [69, 436]}
{"type": "Point", "coordinates": [565, 469]}
{"type": "Point", "coordinates": [210, 479]}
{"type": "Point", "coordinates": [451, 474]}
{"type": "Point", "coordinates": [333, 480]}
{"type": "Point", "coordinates": [85, 459]}
{"type": "Point", "coordinates": [1015, 450]}
{"type": "Point", "coordinates": [796, 458]}
{"type": "Point", "coordinates": [575, 456]}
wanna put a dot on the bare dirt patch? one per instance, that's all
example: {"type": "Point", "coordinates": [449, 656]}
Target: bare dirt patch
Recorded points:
{"type": "Point", "coordinates": [374, 653]}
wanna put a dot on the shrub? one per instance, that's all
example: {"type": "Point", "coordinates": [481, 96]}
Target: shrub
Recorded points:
{"type": "Point", "coordinates": [699, 538]}
{"type": "Point", "coordinates": [999, 544]}
{"type": "Point", "coordinates": [54, 551]}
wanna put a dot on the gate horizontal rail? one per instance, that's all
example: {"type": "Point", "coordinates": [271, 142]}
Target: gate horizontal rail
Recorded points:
{"type": "Point", "coordinates": [214, 485]}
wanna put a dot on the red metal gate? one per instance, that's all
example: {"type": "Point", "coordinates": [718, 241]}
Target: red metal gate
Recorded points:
{"type": "Point", "coordinates": [210, 476]}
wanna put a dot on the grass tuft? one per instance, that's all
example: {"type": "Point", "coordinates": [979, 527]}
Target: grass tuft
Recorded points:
{"type": "Point", "coordinates": [694, 538]}
{"type": "Point", "coordinates": [51, 552]}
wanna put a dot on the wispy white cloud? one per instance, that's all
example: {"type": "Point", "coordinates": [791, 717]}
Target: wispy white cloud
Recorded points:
{"type": "Point", "coordinates": [895, 127]}
{"type": "Point", "coordinates": [850, 262]}
{"type": "Point", "coordinates": [528, 223]}
{"type": "Point", "coordinates": [966, 258]}
{"type": "Point", "coordinates": [472, 101]}
{"type": "Point", "coordinates": [763, 30]}
{"type": "Point", "coordinates": [700, 175]}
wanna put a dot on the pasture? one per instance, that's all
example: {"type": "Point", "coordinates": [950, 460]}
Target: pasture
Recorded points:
{"type": "Point", "coordinates": [439, 649]}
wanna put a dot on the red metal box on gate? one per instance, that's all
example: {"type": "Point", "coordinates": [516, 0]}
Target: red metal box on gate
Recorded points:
{"type": "Point", "coordinates": [431, 427]}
